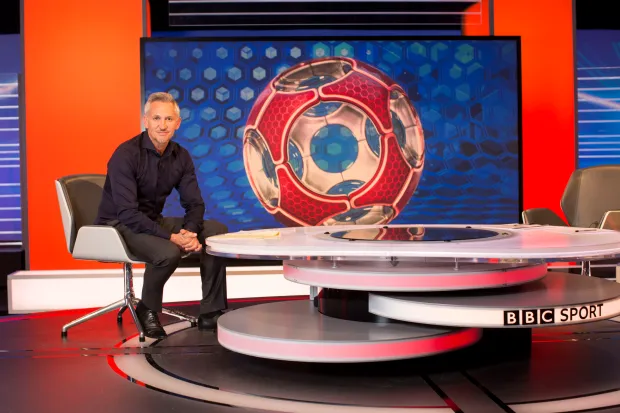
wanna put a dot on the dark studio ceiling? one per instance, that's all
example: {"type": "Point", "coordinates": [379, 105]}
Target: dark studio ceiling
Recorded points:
{"type": "Point", "coordinates": [168, 15]}
{"type": "Point", "coordinates": [323, 14]}
{"type": "Point", "coordinates": [596, 14]}
{"type": "Point", "coordinates": [9, 17]}
{"type": "Point", "coordinates": [236, 14]}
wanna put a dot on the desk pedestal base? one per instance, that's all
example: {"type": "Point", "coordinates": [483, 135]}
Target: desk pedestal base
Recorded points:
{"type": "Point", "coordinates": [296, 331]}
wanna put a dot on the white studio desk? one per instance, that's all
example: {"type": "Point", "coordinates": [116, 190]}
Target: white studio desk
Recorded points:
{"type": "Point", "coordinates": [405, 291]}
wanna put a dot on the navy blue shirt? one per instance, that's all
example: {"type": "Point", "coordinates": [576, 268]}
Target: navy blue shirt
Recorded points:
{"type": "Point", "coordinates": [138, 182]}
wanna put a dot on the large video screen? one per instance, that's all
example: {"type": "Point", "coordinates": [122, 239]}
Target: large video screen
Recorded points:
{"type": "Point", "coordinates": [598, 94]}
{"type": "Point", "coordinates": [288, 131]}
{"type": "Point", "coordinates": [10, 177]}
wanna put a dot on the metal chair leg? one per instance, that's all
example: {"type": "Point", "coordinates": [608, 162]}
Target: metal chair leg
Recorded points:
{"type": "Point", "coordinates": [92, 315]}
{"type": "Point", "coordinates": [128, 301]}
{"type": "Point", "coordinates": [119, 316]}
{"type": "Point", "coordinates": [134, 315]}
{"type": "Point", "coordinates": [181, 316]}
{"type": "Point", "coordinates": [130, 298]}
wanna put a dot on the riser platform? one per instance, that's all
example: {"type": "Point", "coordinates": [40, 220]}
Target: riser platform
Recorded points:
{"type": "Point", "coordinates": [36, 291]}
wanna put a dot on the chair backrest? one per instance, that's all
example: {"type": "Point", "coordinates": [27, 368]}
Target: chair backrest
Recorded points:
{"type": "Point", "coordinates": [590, 193]}
{"type": "Point", "coordinates": [78, 197]}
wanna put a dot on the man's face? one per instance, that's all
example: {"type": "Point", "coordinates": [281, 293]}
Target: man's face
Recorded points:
{"type": "Point", "coordinates": [161, 121]}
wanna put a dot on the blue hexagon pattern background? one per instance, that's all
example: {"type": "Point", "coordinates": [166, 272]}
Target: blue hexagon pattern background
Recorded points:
{"type": "Point", "coordinates": [466, 92]}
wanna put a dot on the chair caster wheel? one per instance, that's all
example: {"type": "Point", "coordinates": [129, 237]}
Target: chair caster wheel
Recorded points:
{"type": "Point", "coordinates": [119, 320]}
{"type": "Point", "coordinates": [193, 323]}
{"type": "Point", "coordinates": [63, 334]}
{"type": "Point", "coordinates": [142, 339]}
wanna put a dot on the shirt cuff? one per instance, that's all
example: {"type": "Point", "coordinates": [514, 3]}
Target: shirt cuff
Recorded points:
{"type": "Point", "coordinates": [191, 227]}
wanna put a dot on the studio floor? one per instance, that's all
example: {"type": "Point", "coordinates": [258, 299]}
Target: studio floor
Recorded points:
{"type": "Point", "coordinates": [101, 367]}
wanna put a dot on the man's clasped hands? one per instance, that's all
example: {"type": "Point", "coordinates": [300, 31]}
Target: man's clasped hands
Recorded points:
{"type": "Point", "coordinates": [187, 241]}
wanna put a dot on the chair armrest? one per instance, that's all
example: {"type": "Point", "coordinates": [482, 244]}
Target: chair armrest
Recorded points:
{"type": "Point", "coordinates": [610, 220]}
{"type": "Point", "coordinates": [101, 243]}
{"type": "Point", "coordinates": [542, 216]}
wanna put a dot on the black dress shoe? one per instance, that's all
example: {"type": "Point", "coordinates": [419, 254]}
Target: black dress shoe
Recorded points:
{"type": "Point", "coordinates": [208, 321]}
{"type": "Point", "coordinates": [151, 325]}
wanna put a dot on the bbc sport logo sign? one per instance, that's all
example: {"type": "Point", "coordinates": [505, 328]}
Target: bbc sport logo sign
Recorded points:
{"type": "Point", "coordinates": [541, 316]}
{"type": "Point", "coordinates": [529, 317]}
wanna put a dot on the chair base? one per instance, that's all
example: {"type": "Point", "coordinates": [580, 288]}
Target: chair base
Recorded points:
{"type": "Point", "coordinates": [128, 302]}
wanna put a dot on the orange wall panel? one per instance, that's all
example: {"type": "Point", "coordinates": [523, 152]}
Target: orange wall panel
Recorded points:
{"type": "Point", "coordinates": [82, 80]}
{"type": "Point", "coordinates": [548, 93]}
{"type": "Point", "coordinates": [548, 89]}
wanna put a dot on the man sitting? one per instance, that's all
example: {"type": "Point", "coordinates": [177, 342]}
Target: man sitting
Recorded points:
{"type": "Point", "coordinates": [141, 174]}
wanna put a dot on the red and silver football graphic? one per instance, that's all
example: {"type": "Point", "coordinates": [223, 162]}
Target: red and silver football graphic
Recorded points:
{"type": "Point", "coordinates": [333, 141]}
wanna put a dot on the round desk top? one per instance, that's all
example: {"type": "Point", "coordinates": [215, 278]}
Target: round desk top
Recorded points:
{"type": "Point", "coordinates": [474, 243]}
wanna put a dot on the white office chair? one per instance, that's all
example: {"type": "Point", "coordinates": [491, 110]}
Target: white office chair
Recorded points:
{"type": "Point", "coordinates": [79, 197]}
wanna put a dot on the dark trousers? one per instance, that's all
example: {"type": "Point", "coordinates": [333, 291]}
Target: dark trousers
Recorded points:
{"type": "Point", "coordinates": [162, 258]}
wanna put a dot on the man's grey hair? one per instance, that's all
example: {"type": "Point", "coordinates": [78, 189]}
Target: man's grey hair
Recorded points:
{"type": "Point", "coordinates": [161, 97]}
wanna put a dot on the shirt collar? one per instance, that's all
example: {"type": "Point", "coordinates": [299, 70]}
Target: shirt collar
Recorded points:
{"type": "Point", "coordinates": [148, 144]}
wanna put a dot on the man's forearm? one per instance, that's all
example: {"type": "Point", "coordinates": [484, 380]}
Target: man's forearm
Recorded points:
{"type": "Point", "coordinates": [141, 224]}
{"type": "Point", "coordinates": [193, 218]}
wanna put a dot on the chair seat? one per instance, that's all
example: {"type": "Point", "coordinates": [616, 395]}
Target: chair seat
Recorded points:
{"type": "Point", "coordinates": [102, 243]}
